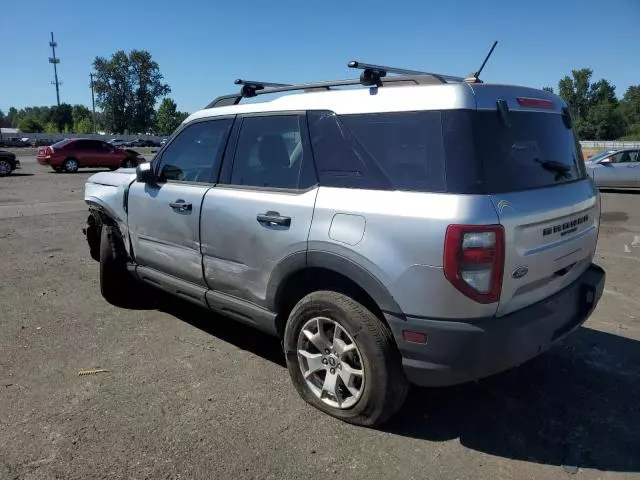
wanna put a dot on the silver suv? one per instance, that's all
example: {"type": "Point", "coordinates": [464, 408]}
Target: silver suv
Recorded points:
{"type": "Point", "coordinates": [419, 229]}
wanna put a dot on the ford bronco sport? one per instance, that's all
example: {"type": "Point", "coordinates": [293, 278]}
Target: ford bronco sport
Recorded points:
{"type": "Point", "coordinates": [419, 229]}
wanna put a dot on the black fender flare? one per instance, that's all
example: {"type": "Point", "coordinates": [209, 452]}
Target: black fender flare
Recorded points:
{"type": "Point", "coordinates": [338, 264]}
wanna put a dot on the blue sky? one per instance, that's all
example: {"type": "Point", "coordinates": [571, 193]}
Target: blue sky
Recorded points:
{"type": "Point", "coordinates": [202, 46]}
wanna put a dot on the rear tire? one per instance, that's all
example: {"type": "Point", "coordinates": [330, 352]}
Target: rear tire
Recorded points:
{"type": "Point", "coordinates": [383, 387]}
{"type": "Point", "coordinates": [116, 284]}
{"type": "Point", "coordinates": [71, 165]}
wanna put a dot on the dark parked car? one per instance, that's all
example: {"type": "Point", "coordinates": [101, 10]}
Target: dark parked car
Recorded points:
{"type": "Point", "coordinates": [141, 142]}
{"type": "Point", "coordinates": [15, 142]}
{"type": "Point", "coordinates": [70, 154]}
{"type": "Point", "coordinates": [8, 163]}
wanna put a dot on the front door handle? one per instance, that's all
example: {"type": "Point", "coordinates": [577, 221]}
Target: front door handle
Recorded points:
{"type": "Point", "coordinates": [181, 206]}
{"type": "Point", "coordinates": [273, 218]}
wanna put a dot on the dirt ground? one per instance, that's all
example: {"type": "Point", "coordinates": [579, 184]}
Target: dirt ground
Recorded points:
{"type": "Point", "coordinates": [189, 394]}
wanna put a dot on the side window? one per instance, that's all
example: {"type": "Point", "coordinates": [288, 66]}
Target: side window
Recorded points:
{"type": "Point", "coordinates": [105, 147]}
{"type": "Point", "coordinates": [622, 157]}
{"type": "Point", "coordinates": [195, 154]}
{"type": "Point", "coordinates": [79, 145]}
{"type": "Point", "coordinates": [93, 145]}
{"type": "Point", "coordinates": [272, 152]}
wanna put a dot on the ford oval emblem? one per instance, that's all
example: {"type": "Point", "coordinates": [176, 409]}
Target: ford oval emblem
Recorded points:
{"type": "Point", "coordinates": [520, 272]}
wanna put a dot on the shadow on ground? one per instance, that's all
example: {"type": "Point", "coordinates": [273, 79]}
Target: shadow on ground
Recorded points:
{"type": "Point", "coordinates": [226, 329]}
{"type": "Point", "coordinates": [577, 405]}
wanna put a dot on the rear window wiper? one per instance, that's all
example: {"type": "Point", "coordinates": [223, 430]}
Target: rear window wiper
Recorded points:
{"type": "Point", "coordinates": [561, 169]}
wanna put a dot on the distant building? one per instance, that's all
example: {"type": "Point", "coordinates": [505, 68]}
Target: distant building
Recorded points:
{"type": "Point", "coordinates": [9, 131]}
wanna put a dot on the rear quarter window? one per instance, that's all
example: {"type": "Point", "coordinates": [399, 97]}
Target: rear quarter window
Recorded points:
{"type": "Point", "coordinates": [62, 143]}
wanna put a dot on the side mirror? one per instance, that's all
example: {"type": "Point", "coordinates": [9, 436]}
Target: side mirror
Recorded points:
{"type": "Point", "coordinates": [144, 174]}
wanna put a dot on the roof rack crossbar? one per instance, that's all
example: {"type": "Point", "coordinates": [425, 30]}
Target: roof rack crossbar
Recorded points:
{"type": "Point", "coordinates": [250, 87]}
{"type": "Point", "coordinates": [373, 74]}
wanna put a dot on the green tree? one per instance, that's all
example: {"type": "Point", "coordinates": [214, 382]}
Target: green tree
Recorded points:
{"type": "Point", "coordinates": [50, 127]}
{"type": "Point", "coordinates": [30, 125]}
{"type": "Point", "coordinates": [575, 91]}
{"type": "Point", "coordinates": [62, 116]}
{"type": "Point", "coordinates": [630, 105]}
{"type": "Point", "coordinates": [40, 113]}
{"type": "Point", "coordinates": [84, 125]}
{"type": "Point", "coordinates": [168, 117]}
{"type": "Point", "coordinates": [594, 106]}
{"type": "Point", "coordinates": [12, 117]}
{"type": "Point", "coordinates": [604, 122]}
{"type": "Point", "coordinates": [80, 112]}
{"type": "Point", "coordinates": [547, 89]}
{"type": "Point", "coordinates": [2, 119]}
{"type": "Point", "coordinates": [127, 88]}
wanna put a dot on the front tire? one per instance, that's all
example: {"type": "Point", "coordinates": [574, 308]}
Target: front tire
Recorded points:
{"type": "Point", "coordinates": [128, 163]}
{"type": "Point", "coordinates": [343, 360]}
{"type": "Point", "coordinates": [115, 282]}
{"type": "Point", "coordinates": [5, 168]}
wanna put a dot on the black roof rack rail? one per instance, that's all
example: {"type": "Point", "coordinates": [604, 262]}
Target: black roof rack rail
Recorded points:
{"type": "Point", "coordinates": [373, 75]}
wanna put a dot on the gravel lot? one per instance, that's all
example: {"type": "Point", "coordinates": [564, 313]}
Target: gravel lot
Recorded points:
{"type": "Point", "coordinates": [190, 394]}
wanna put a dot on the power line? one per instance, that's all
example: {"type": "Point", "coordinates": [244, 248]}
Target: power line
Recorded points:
{"type": "Point", "coordinates": [55, 60]}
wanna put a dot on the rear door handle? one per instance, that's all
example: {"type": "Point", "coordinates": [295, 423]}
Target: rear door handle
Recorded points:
{"type": "Point", "coordinates": [273, 218]}
{"type": "Point", "coordinates": [181, 206]}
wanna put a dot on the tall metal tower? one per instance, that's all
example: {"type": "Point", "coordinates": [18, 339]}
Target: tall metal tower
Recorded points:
{"type": "Point", "coordinates": [55, 60]}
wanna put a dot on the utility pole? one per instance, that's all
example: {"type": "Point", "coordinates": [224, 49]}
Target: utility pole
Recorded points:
{"type": "Point", "coordinates": [93, 103]}
{"type": "Point", "coordinates": [55, 60]}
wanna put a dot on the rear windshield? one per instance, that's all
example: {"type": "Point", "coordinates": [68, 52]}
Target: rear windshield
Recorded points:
{"type": "Point", "coordinates": [528, 150]}
{"type": "Point", "coordinates": [455, 151]}
{"type": "Point", "coordinates": [61, 143]}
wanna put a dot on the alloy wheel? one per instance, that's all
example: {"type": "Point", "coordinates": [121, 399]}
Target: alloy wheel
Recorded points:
{"type": "Point", "coordinates": [331, 363]}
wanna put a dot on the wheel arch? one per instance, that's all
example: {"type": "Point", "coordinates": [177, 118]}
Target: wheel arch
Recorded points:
{"type": "Point", "coordinates": [305, 272]}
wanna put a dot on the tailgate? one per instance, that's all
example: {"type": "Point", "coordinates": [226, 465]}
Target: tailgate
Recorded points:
{"type": "Point", "coordinates": [550, 240]}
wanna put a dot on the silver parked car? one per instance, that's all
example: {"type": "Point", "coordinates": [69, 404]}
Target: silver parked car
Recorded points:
{"type": "Point", "coordinates": [420, 229]}
{"type": "Point", "coordinates": [615, 168]}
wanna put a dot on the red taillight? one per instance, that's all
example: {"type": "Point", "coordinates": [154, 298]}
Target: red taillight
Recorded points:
{"type": "Point", "coordinates": [535, 102]}
{"type": "Point", "coordinates": [474, 260]}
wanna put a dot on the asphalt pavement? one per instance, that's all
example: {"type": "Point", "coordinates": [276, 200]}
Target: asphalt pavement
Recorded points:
{"type": "Point", "coordinates": [190, 394]}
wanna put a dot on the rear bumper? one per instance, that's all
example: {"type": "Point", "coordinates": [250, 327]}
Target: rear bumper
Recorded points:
{"type": "Point", "coordinates": [51, 161]}
{"type": "Point", "coordinates": [461, 351]}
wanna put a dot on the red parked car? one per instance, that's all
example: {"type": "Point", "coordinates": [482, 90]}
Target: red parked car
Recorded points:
{"type": "Point", "coordinates": [70, 154]}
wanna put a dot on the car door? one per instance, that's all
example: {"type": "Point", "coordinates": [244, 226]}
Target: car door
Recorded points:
{"type": "Point", "coordinates": [164, 218]}
{"type": "Point", "coordinates": [634, 165]}
{"type": "Point", "coordinates": [615, 171]}
{"type": "Point", "coordinates": [260, 212]}
{"type": "Point", "coordinates": [106, 155]}
{"type": "Point", "coordinates": [82, 151]}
